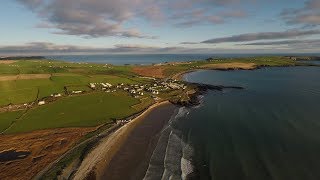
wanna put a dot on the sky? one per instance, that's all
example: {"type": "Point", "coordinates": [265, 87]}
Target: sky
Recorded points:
{"type": "Point", "coordinates": [50, 27]}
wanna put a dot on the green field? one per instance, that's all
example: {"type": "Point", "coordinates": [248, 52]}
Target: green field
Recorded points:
{"type": "Point", "coordinates": [7, 118]}
{"type": "Point", "coordinates": [77, 111]}
{"type": "Point", "coordinates": [95, 107]}
{"type": "Point", "coordinates": [73, 76]}
{"type": "Point", "coordinates": [87, 110]}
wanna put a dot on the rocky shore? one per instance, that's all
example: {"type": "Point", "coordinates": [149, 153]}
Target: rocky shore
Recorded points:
{"type": "Point", "coordinates": [201, 89]}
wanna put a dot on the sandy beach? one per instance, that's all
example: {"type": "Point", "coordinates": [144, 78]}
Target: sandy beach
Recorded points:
{"type": "Point", "coordinates": [107, 154]}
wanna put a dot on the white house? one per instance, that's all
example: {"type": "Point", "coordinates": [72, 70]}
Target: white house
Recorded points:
{"type": "Point", "coordinates": [106, 85]}
{"type": "Point", "coordinates": [76, 92]}
{"type": "Point", "coordinates": [92, 85]}
{"type": "Point", "coordinates": [155, 92]}
{"type": "Point", "coordinates": [41, 103]}
{"type": "Point", "coordinates": [57, 95]}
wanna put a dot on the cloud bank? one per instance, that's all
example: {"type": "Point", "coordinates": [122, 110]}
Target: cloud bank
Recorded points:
{"type": "Point", "coordinates": [45, 48]}
{"type": "Point", "coordinates": [313, 42]}
{"type": "Point", "coordinates": [263, 36]}
{"type": "Point", "coordinates": [98, 18]}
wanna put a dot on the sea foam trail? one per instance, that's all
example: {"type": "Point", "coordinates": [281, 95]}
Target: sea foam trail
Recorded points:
{"type": "Point", "coordinates": [156, 168]}
{"type": "Point", "coordinates": [156, 164]}
{"type": "Point", "coordinates": [187, 166]}
{"type": "Point", "coordinates": [172, 161]}
{"type": "Point", "coordinates": [182, 112]}
{"type": "Point", "coordinates": [171, 158]}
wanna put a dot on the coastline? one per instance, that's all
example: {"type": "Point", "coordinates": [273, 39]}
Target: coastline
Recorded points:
{"type": "Point", "coordinates": [125, 134]}
{"type": "Point", "coordinates": [100, 156]}
{"type": "Point", "coordinates": [179, 75]}
{"type": "Point", "coordinates": [99, 168]}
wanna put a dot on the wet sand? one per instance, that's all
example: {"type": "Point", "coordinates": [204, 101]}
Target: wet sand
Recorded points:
{"type": "Point", "coordinates": [132, 159]}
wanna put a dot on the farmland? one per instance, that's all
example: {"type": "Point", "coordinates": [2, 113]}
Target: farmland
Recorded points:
{"type": "Point", "coordinates": [78, 111]}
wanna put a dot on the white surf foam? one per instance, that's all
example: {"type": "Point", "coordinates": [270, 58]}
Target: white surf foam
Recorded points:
{"type": "Point", "coordinates": [171, 158]}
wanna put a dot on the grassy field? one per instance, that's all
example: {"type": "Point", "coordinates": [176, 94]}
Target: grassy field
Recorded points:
{"type": "Point", "coordinates": [61, 75]}
{"type": "Point", "coordinates": [145, 103]}
{"type": "Point", "coordinates": [19, 85]}
{"type": "Point", "coordinates": [78, 111]}
{"type": "Point", "coordinates": [7, 118]}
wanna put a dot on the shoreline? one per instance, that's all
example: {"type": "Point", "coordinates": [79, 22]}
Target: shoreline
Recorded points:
{"type": "Point", "coordinates": [179, 75]}
{"type": "Point", "coordinates": [101, 155]}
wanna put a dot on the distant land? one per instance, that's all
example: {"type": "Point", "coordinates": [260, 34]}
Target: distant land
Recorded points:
{"type": "Point", "coordinates": [21, 57]}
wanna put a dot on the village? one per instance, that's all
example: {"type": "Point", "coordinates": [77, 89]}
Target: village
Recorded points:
{"type": "Point", "coordinates": [153, 89]}
{"type": "Point", "coordinates": [138, 90]}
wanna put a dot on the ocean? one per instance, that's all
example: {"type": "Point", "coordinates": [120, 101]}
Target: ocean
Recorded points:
{"type": "Point", "coordinates": [269, 130]}
{"type": "Point", "coordinates": [144, 59]}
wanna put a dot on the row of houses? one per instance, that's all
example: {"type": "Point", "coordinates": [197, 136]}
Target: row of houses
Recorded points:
{"type": "Point", "coordinates": [165, 85]}
{"type": "Point", "coordinates": [123, 121]}
{"type": "Point", "coordinates": [77, 92]}
{"type": "Point", "coordinates": [56, 95]}
{"type": "Point", "coordinates": [103, 85]}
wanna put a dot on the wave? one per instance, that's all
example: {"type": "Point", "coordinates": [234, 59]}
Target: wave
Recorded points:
{"type": "Point", "coordinates": [187, 166]}
{"type": "Point", "coordinates": [172, 157]}
{"type": "Point", "coordinates": [201, 102]}
{"type": "Point", "coordinates": [182, 112]}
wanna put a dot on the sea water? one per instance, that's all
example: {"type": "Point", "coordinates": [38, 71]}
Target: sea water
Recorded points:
{"type": "Point", "coordinates": [269, 130]}
{"type": "Point", "coordinates": [121, 59]}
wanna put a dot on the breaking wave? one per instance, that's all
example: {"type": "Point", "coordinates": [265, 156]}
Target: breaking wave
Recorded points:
{"type": "Point", "coordinates": [172, 157]}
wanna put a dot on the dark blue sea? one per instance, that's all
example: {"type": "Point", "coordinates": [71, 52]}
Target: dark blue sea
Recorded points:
{"type": "Point", "coordinates": [121, 59]}
{"type": "Point", "coordinates": [268, 131]}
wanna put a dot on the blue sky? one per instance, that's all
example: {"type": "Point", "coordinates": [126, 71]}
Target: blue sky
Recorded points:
{"type": "Point", "coordinates": [151, 26]}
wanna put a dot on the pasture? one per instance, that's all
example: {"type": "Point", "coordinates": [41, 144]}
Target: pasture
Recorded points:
{"type": "Point", "coordinates": [76, 111]}
{"type": "Point", "coordinates": [32, 80]}
{"type": "Point", "coordinates": [7, 118]}
{"type": "Point", "coordinates": [28, 81]}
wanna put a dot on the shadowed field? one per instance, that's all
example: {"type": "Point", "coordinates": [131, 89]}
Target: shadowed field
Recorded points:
{"type": "Point", "coordinates": [44, 147]}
